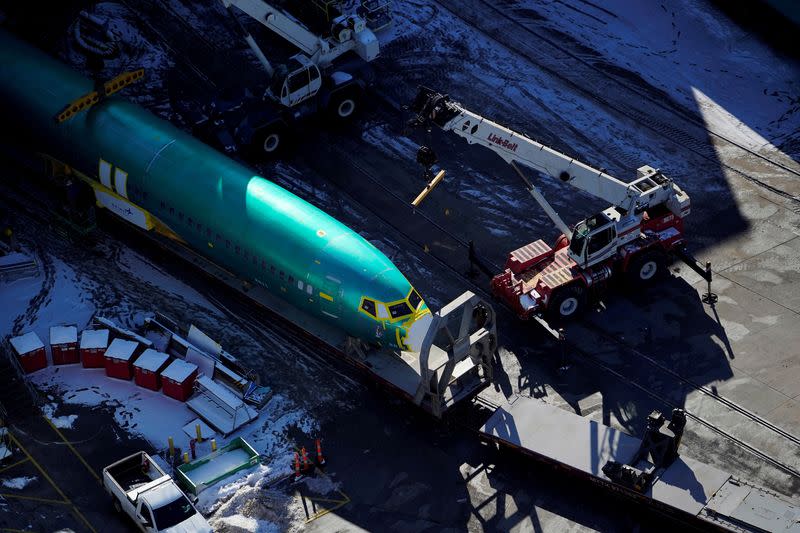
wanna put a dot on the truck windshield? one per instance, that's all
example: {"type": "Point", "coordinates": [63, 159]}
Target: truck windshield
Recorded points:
{"type": "Point", "coordinates": [578, 240]}
{"type": "Point", "coordinates": [173, 513]}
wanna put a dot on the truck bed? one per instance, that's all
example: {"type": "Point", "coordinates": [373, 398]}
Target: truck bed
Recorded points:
{"type": "Point", "coordinates": [130, 474]}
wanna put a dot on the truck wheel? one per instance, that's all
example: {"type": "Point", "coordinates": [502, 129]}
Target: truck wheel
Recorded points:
{"type": "Point", "coordinates": [269, 141]}
{"type": "Point", "coordinates": [646, 268]}
{"type": "Point", "coordinates": [567, 303]}
{"type": "Point", "coordinates": [343, 105]}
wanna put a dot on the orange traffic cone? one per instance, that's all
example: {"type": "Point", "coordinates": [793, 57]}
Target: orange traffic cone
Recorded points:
{"type": "Point", "coordinates": [306, 463]}
{"type": "Point", "coordinates": [297, 473]}
{"type": "Point", "coordinates": [320, 458]}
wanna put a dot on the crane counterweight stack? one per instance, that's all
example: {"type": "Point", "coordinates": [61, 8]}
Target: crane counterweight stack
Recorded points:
{"type": "Point", "coordinates": [635, 235]}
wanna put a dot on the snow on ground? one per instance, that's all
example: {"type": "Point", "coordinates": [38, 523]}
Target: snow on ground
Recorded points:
{"type": "Point", "coordinates": [500, 85]}
{"type": "Point", "coordinates": [29, 305]}
{"type": "Point", "coordinates": [136, 52]}
{"type": "Point", "coordinates": [254, 506]}
{"type": "Point", "coordinates": [67, 302]}
{"type": "Point", "coordinates": [379, 135]}
{"type": "Point", "coordinates": [246, 498]}
{"type": "Point", "coordinates": [63, 422]}
{"type": "Point", "coordinates": [15, 297]}
{"type": "Point", "coordinates": [133, 406]}
{"type": "Point", "coordinates": [17, 483]}
{"type": "Point", "coordinates": [241, 499]}
{"type": "Point", "coordinates": [143, 269]}
{"type": "Point", "coordinates": [697, 55]}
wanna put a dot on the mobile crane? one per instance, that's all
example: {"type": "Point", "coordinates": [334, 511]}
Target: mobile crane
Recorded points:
{"type": "Point", "coordinates": [308, 83]}
{"type": "Point", "coordinates": [635, 236]}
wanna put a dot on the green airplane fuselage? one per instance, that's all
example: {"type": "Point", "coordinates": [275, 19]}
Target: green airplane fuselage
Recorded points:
{"type": "Point", "coordinates": [158, 177]}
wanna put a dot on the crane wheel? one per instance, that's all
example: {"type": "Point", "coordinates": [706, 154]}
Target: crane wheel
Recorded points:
{"type": "Point", "coordinates": [269, 141]}
{"type": "Point", "coordinates": [567, 303]}
{"type": "Point", "coordinates": [646, 268]}
{"type": "Point", "coordinates": [343, 105]}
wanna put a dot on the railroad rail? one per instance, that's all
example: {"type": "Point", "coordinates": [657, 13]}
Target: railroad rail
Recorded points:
{"type": "Point", "coordinates": [180, 56]}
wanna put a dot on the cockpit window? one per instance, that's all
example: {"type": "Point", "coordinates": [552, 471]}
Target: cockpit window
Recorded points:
{"type": "Point", "coordinates": [368, 306]}
{"type": "Point", "coordinates": [414, 299]}
{"type": "Point", "coordinates": [398, 310]}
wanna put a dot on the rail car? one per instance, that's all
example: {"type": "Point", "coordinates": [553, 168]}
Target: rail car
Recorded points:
{"type": "Point", "coordinates": [648, 471]}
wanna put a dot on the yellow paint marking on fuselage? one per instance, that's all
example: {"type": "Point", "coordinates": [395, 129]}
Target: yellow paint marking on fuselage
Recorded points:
{"type": "Point", "coordinates": [326, 296]}
{"type": "Point", "coordinates": [153, 222]}
{"type": "Point", "coordinates": [400, 343]}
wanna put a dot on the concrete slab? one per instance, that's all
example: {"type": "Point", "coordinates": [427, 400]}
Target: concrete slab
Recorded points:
{"type": "Point", "coordinates": [758, 237]}
{"type": "Point", "coordinates": [771, 356]}
{"type": "Point", "coordinates": [774, 274]}
{"type": "Point", "coordinates": [742, 307]}
{"type": "Point", "coordinates": [787, 416]}
{"type": "Point", "coordinates": [751, 394]}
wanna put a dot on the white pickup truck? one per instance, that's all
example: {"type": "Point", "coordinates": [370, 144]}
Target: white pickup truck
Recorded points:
{"type": "Point", "coordinates": [148, 495]}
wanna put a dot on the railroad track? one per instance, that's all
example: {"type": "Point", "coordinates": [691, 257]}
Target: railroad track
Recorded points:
{"type": "Point", "coordinates": [733, 406]}
{"type": "Point", "coordinates": [189, 69]}
{"type": "Point", "coordinates": [574, 70]}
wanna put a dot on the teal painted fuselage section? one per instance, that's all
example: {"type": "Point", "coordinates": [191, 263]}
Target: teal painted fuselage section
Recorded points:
{"type": "Point", "coordinates": [220, 208]}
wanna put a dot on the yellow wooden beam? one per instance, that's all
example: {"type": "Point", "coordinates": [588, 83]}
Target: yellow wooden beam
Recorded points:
{"type": "Point", "coordinates": [88, 100]}
{"type": "Point", "coordinates": [123, 80]}
{"type": "Point", "coordinates": [84, 102]}
{"type": "Point", "coordinates": [428, 188]}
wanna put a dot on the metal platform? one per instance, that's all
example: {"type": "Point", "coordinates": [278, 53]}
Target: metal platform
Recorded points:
{"type": "Point", "coordinates": [688, 489]}
{"type": "Point", "coordinates": [220, 407]}
{"type": "Point", "coordinates": [15, 265]}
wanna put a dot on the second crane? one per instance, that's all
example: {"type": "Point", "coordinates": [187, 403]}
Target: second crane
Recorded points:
{"type": "Point", "coordinates": [636, 236]}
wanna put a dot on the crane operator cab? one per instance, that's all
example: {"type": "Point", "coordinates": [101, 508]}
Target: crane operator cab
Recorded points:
{"type": "Point", "coordinates": [594, 239]}
{"type": "Point", "coordinates": [298, 80]}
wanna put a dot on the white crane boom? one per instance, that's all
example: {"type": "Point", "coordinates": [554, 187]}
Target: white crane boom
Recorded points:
{"type": "Point", "coordinates": [651, 188]}
{"type": "Point", "coordinates": [350, 33]}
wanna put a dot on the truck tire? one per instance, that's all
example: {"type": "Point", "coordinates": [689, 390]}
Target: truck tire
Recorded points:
{"type": "Point", "coordinates": [646, 267]}
{"type": "Point", "coordinates": [343, 105]}
{"type": "Point", "coordinates": [269, 141]}
{"type": "Point", "coordinates": [567, 303]}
